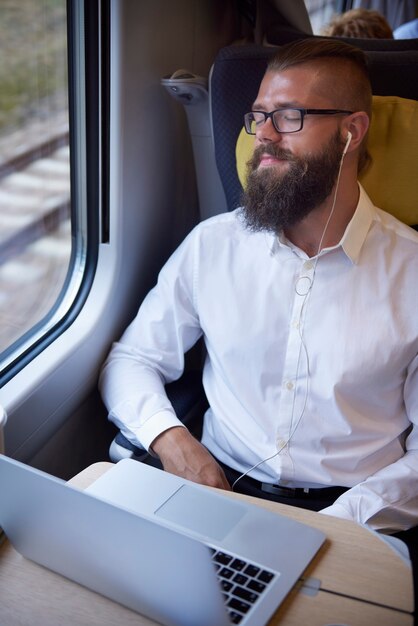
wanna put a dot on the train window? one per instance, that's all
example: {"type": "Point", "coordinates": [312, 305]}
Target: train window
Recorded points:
{"type": "Point", "coordinates": [43, 155]}
{"type": "Point", "coordinates": [320, 12]}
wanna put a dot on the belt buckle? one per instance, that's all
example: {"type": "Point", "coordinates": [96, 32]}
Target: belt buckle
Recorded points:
{"type": "Point", "coordinates": [284, 492]}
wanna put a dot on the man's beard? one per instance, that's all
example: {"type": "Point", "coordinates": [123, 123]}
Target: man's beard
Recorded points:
{"type": "Point", "coordinates": [274, 201]}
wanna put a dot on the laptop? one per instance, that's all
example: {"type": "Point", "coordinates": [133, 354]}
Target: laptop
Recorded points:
{"type": "Point", "coordinates": [170, 549]}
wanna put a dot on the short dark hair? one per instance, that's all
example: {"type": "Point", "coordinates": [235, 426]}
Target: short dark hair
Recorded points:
{"type": "Point", "coordinates": [352, 85]}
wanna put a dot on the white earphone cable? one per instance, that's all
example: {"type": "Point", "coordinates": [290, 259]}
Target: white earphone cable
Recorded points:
{"type": "Point", "coordinates": [303, 346]}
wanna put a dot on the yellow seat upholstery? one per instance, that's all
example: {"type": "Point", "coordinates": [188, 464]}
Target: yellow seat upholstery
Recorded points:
{"type": "Point", "coordinates": [392, 178]}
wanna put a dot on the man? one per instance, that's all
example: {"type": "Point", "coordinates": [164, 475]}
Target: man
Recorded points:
{"type": "Point", "coordinates": [307, 302]}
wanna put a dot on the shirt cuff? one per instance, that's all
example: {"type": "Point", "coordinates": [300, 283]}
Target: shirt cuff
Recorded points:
{"type": "Point", "coordinates": [155, 425]}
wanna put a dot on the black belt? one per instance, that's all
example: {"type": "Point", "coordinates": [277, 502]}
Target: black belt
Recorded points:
{"type": "Point", "coordinates": [325, 493]}
{"type": "Point", "coordinates": [320, 494]}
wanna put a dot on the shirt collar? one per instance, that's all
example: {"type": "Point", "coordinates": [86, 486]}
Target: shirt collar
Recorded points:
{"type": "Point", "coordinates": [354, 235]}
{"type": "Point", "coordinates": [358, 227]}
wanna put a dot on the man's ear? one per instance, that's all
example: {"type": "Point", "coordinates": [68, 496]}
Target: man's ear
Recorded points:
{"type": "Point", "coordinates": [357, 124]}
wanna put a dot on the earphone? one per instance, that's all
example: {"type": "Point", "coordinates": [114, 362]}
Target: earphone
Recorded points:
{"type": "Point", "coordinates": [349, 137]}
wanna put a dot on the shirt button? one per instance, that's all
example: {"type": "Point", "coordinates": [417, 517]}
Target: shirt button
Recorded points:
{"type": "Point", "coordinates": [308, 265]}
{"type": "Point", "coordinates": [281, 443]}
{"type": "Point", "coordinates": [289, 385]}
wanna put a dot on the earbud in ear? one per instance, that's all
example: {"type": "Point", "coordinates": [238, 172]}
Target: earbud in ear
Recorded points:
{"type": "Point", "coordinates": [349, 137]}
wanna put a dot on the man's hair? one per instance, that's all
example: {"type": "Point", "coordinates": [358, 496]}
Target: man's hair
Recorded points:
{"type": "Point", "coordinates": [344, 66]}
{"type": "Point", "coordinates": [360, 23]}
{"type": "Point", "coordinates": [344, 72]}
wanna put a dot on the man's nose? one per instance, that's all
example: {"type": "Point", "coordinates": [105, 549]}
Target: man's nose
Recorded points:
{"type": "Point", "coordinates": [267, 133]}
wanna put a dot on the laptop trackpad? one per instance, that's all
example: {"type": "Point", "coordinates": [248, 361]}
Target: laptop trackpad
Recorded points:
{"type": "Point", "coordinates": [201, 512]}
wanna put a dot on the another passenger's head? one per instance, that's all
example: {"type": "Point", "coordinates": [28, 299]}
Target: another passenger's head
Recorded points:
{"type": "Point", "coordinates": [359, 23]}
{"type": "Point", "coordinates": [317, 93]}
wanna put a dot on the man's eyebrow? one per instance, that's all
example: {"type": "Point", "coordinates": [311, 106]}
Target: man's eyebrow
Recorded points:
{"type": "Point", "coordinates": [257, 106]}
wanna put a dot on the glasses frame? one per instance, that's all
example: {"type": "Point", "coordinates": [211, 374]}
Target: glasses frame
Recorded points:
{"type": "Point", "coordinates": [303, 112]}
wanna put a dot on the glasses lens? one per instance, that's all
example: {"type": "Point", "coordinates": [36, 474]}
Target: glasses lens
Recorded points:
{"type": "Point", "coordinates": [284, 120]}
{"type": "Point", "coordinates": [288, 120]}
{"type": "Point", "coordinates": [253, 120]}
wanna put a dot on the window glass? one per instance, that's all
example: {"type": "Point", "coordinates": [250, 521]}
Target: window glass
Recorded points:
{"type": "Point", "coordinates": [320, 12]}
{"type": "Point", "coordinates": [35, 202]}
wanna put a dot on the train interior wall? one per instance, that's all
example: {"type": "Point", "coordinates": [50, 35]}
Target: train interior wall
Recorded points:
{"type": "Point", "coordinates": [155, 203]}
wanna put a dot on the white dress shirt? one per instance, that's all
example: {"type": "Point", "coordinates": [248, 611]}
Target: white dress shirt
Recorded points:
{"type": "Point", "coordinates": [312, 360]}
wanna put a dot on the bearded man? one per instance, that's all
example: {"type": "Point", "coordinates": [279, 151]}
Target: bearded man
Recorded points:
{"type": "Point", "coordinates": [306, 299]}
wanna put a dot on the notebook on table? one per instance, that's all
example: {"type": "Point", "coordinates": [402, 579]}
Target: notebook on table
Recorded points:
{"type": "Point", "coordinates": [177, 552]}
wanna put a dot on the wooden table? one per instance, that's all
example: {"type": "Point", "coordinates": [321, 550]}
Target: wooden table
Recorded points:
{"type": "Point", "coordinates": [362, 582]}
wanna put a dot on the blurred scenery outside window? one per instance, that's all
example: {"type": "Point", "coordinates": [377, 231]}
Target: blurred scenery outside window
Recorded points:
{"type": "Point", "coordinates": [35, 227]}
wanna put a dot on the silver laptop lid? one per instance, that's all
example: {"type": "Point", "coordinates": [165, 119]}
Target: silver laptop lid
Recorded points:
{"type": "Point", "coordinates": [142, 565]}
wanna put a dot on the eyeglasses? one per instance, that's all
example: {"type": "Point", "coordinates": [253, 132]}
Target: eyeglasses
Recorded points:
{"type": "Point", "coordinates": [285, 120]}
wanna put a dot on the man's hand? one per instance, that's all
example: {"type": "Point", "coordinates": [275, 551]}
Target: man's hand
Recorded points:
{"type": "Point", "coordinates": [181, 454]}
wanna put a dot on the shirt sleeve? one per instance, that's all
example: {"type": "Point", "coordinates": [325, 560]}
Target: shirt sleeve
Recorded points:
{"type": "Point", "coordinates": [387, 501]}
{"type": "Point", "coordinates": [151, 352]}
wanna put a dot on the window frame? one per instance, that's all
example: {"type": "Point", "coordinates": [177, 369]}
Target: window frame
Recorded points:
{"type": "Point", "coordinates": [88, 45]}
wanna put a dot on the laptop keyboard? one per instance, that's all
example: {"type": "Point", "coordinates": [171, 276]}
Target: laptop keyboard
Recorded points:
{"type": "Point", "coordinates": [242, 583]}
